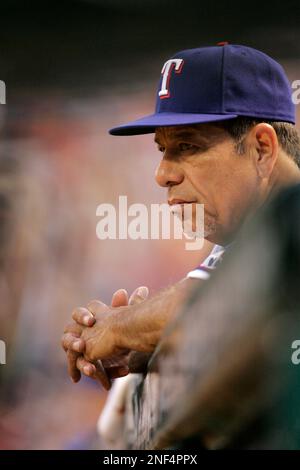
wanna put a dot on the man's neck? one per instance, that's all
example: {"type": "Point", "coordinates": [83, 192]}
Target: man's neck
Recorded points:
{"type": "Point", "coordinates": [286, 173]}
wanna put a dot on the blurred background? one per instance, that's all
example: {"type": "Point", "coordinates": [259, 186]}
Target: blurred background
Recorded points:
{"type": "Point", "coordinates": [73, 69]}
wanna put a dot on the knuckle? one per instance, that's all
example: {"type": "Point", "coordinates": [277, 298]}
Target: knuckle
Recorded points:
{"type": "Point", "coordinates": [77, 312]}
{"type": "Point", "coordinates": [95, 305]}
{"type": "Point", "coordinates": [90, 355]}
{"type": "Point", "coordinates": [73, 329]}
{"type": "Point", "coordinates": [79, 364]}
{"type": "Point", "coordinates": [69, 327]}
{"type": "Point", "coordinates": [66, 340]}
{"type": "Point", "coordinates": [62, 342]}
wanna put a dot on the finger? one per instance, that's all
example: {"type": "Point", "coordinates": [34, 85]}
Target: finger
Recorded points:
{"type": "Point", "coordinates": [139, 295]}
{"type": "Point", "coordinates": [83, 316]}
{"type": "Point", "coordinates": [120, 298]}
{"type": "Point", "coordinates": [72, 342]}
{"type": "Point", "coordinates": [73, 371]}
{"type": "Point", "coordinates": [96, 306]}
{"type": "Point", "coordinates": [102, 376]}
{"type": "Point", "coordinates": [87, 368]}
{"type": "Point", "coordinates": [73, 328]}
{"type": "Point", "coordinates": [94, 371]}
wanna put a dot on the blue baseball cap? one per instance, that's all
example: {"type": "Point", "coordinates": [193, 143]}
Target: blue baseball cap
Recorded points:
{"type": "Point", "coordinates": [217, 83]}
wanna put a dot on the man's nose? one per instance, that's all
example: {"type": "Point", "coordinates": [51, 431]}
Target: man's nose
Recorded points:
{"type": "Point", "coordinates": [168, 173]}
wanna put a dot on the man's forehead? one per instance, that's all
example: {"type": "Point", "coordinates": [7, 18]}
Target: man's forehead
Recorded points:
{"type": "Point", "coordinates": [174, 130]}
{"type": "Point", "coordinates": [204, 131]}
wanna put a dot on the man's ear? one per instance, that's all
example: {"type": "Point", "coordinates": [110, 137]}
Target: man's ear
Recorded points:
{"type": "Point", "coordinates": [265, 142]}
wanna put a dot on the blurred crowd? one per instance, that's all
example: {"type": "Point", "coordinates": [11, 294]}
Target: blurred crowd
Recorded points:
{"type": "Point", "coordinates": [57, 164]}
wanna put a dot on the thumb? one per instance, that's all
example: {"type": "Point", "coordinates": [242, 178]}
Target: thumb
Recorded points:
{"type": "Point", "coordinates": [120, 298]}
{"type": "Point", "coordinates": [139, 295]}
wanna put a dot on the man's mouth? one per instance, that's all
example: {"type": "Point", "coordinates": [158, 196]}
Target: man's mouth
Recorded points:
{"type": "Point", "coordinates": [173, 202]}
{"type": "Point", "coordinates": [176, 206]}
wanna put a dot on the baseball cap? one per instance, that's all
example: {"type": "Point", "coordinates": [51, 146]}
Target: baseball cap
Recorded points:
{"type": "Point", "coordinates": [217, 83]}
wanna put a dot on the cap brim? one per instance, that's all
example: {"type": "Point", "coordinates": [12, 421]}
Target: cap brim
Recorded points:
{"type": "Point", "coordinates": [148, 124]}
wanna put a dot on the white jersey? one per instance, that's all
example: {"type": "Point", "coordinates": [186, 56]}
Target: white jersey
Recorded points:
{"type": "Point", "coordinates": [203, 271]}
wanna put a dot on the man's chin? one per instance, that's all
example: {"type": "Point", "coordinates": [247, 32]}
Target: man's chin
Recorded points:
{"type": "Point", "coordinates": [206, 234]}
{"type": "Point", "coordinates": [213, 235]}
{"type": "Point", "coordinates": [190, 235]}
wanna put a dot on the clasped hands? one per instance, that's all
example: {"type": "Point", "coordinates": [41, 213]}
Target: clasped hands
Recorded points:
{"type": "Point", "coordinates": [93, 341]}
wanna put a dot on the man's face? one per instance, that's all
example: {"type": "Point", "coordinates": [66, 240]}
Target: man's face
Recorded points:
{"type": "Point", "coordinates": [200, 165]}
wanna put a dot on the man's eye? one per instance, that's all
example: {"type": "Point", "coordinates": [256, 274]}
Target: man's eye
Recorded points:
{"type": "Point", "coordinates": [184, 146]}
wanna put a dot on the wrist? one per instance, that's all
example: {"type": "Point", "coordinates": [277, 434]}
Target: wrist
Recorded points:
{"type": "Point", "coordinates": [122, 326]}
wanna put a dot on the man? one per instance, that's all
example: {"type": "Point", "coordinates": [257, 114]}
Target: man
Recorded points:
{"type": "Point", "coordinates": [224, 122]}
